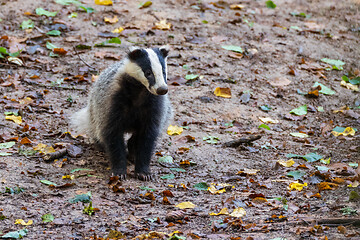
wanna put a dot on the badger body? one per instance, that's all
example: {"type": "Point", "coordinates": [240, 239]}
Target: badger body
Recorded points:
{"type": "Point", "coordinates": [128, 97]}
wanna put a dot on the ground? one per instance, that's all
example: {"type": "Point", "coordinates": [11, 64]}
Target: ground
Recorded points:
{"type": "Point", "coordinates": [278, 64]}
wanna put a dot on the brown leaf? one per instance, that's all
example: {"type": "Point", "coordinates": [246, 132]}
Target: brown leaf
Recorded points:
{"type": "Point", "coordinates": [279, 82]}
{"type": "Point", "coordinates": [25, 141]}
{"type": "Point", "coordinates": [59, 51]}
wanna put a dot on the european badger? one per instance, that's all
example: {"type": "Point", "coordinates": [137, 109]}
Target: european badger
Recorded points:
{"type": "Point", "coordinates": [129, 97]}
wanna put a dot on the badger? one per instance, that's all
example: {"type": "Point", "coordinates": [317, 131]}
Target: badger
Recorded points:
{"type": "Point", "coordinates": [129, 98]}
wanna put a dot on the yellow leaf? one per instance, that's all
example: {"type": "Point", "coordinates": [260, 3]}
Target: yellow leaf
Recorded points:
{"type": "Point", "coordinates": [349, 86]}
{"type": "Point", "coordinates": [174, 130]}
{"type": "Point", "coordinates": [185, 205]}
{"type": "Point", "coordinates": [118, 30]}
{"type": "Point", "coordinates": [22, 222]}
{"type": "Point", "coordinates": [111, 20]}
{"type": "Point", "coordinates": [223, 92]}
{"type": "Point", "coordinates": [236, 6]}
{"type": "Point", "coordinates": [15, 119]}
{"type": "Point", "coordinates": [68, 177]}
{"type": "Point", "coordinates": [297, 186]}
{"type": "Point", "coordinates": [103, 2]}
{"type": "Point", "coordinates": [354, 184]}
{"type": "Point", "coordinates": [268, 120]}
{"type": "Point", "coordinates": [26, 100]}
{"type": "Point", "coordinates": [347, 131]}
{"type": "Point", "coordinates": [223, 211]}
{"type": "Point", "coordinates": [218, 188]}
{"type": "Point", "coordinates": [146, 4]}
{"type": "Point", "coordinates": [287, 163]}
{"type": "Point", "coordinates": [43, 148]}
{"type": "Point", "coordinates": [162, 25]}
{"type": "Point", "coordinates": [174, 232]}
{"type": "Point", "coordinates": [248, 171]}
{"type": "Point", "coordinates": [238, 212]}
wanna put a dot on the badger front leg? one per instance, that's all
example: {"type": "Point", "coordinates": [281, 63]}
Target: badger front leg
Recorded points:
{"type": "Point", "coordinates": [141, 145]}
{"type": "Point", "coordinates": [116, 150]}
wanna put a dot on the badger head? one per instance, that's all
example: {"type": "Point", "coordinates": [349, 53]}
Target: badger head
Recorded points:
{"type": "Point", "coordinates": [148, 66]}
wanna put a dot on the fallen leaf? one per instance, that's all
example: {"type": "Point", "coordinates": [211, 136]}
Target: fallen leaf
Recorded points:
{"type": "Point", "coordinates": [118, 30]}
{"type": "Point", "coordinates": [236, 6]}
{"type": "Point", "coordinates": [103, 2]}
{"type": "Point", "coordinates": [349, 86]}
{"type": "Point", "coordinates": [233, 48]}
{"type": "Point", "coordinates": [162, 25]}
{"type": "Point", "coordinates": [185, 205]}
{"type": "Point", "coordinates": [146, 4]}
{"type": "Point", "coordinates": [238, 212]}
{"type": "Point", "coordinates": [223, 92]}
{"type": "Point", "coordinates": [326, 186]}
{"type": "Point", "coordinates": [223, 211]}
{"type": "Point", "coordinates": [268, 120]}
{"type": "Point", "coordinates": [338, 131]}
{"type": "Point", "coordinates": [296, 186]}
{"type": "Point", "coordinates": [279, 82]}
{"type": "Point", "coordinates": [111, 20]}
{"type": "Point", "coordinates": [287, 163]}
{"type": "Point", "coordinates": [174, 130]}
{"type": "Point", "coordinates": [299, 135]}
{"type": "Point", "coordinates": [324, 89]}
{"type": "Point", "coordinates": [43, 148]}
{"type": "Point", "coordinates": [302, 110]}
{"type": "Point", "coordinates": [15, 119]}
{"type": "Point", "coordinates": [22, 222]}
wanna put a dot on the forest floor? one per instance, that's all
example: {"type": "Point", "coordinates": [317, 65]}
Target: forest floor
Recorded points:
{"type": "Point", "coordinates": [300, 180]}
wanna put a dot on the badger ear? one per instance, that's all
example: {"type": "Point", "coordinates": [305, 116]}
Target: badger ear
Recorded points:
{"type": "Point", "coordinates": [135, 53]}
{"type": "Point", "coordinates": [164, 50]}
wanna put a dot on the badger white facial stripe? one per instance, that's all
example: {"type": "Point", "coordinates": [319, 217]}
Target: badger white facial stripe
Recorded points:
{"type": "Point", "coordinates": [156, 69]}
{"type": "Point", "coordinates": [136, 72]}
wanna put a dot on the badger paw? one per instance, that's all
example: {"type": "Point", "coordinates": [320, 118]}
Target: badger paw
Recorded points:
{"type": "Point", "coordinates": [119, 177]}
{"type": "Point", "coordinates": [144, 176]}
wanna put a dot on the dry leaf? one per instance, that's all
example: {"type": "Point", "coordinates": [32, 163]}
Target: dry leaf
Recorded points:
{"type": "Point", "coordinates": [223, 211]}
{"type": "Point", "coordinates": [111, 20]}
{"type": "Point", "coordinates": [223, 92]}
{"type": "Point", "coordinates": [347, 131]}
{"type": "Point", "coordinates": [103, 2]}
{"type": "Point", "coordinates": [279, 82]}
{"type": "Point", "coordinates": [174, 130]}
{"type": "Point", "coordinates": [268, 120]}
{"type": "Point", "coordinates": [22, 222]}
{"type": "Point", "coordinates": [238, 212]}
{"type": "Point", "coordinates": [237, 6]}
{"type": "Point", "coordinates": [43, 148]}
{"type": "Point", "coordinates": [349, 86]}
{"type": "Point", "coordinates": [185, 205]}
{"type": "Point", "coordinates": [297, 186]}
{"type": "Point", "coordinates": [162, 25]}
{"type": "Point", "coordinates": [15, 119]}
{"type": "Point", "coordinates": [287, 163]}
{"type": "Point", "coordinates": [118, 30]}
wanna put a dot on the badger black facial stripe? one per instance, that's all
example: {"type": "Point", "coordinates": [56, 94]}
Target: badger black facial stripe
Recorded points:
{"type": "Point", "coordinates": [157, 69]}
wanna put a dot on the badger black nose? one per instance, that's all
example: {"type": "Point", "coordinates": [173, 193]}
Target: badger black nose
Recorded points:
{"type": "Point", "coordinates": [162, 90]}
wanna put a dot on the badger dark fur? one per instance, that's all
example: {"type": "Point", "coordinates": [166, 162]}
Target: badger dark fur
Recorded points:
{"type": "Point", "coordinates": [129, 97]}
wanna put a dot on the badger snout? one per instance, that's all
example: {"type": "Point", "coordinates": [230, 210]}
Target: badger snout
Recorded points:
{"type": "Point", "coordinates": [162, 90]}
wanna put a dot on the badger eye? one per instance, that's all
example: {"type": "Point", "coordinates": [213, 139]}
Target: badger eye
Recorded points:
{"type": "Point", "coordinates": [148, 73]}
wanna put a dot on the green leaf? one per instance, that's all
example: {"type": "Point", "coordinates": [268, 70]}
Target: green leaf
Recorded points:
{"type": "Point", "coordinates": [15, 54]}
{"type": "Point", "coordinates": [168, 160]}
{"type": "Point", "coordinates": [354, 196]}
{"type": "Point", "coordinates": [324, 89]}
{"type": "Point", "coordinates": [53, 33]}
{"type": "Point", "coordinates": [211, 139]}
{"type": "Point", "coordinates": [47, 218]}
{"type": "Point", "coordinates": [310, 157]}
{"type": "Point", "coordinates": [296, 174]}
{"type": "Point", "coordinates": [336, 64]}
{"type": "Point", "coordinates": [7, 145]}
{"type": "Point", "coordinates": [85, 198]}
{"type": "Point", "coordinates": [338, 129]}
{"type": "Point", "coordinates": [4, 154]}
{"type": "Point", "coordinates": [345, 78]}
{"type": "Point", "coordinates": [105, 44]}
{"type": "Point", "coordinates": [326, 161]}
{"type": "Point", "coordinates": [89, 209]}
{"type": "Point", "coordinates": [68, 2]}
{"type": "Point", "coordinates": [322, 168]}
{"type": "Point", "coordinates": [264, 126]}
{"type": "Point", "coordinates": [353, 164]}
{"type": "Point", "coordinates": [146, 188]}
{"type": "Point", "coordinates": [50, 46]}
{"type": "Point", "coordinates": [203, 186]}
{"type": "Point", "coordinates": [299, 135]}
{"type": "Point", "coordinates": [3, 50]}
{"type": "Point", "coordinates": [47, 182]}
{"type": "Point", "coordinates": [168, 176]}
{"type": "Point", "coordinates": [233, 48]}
{"type": "Point", "coordinates": [348, 211]}
{"type": "Point", "coordinates": [355, 81]}
{"type": "Point", "coordinates": [300, 110]}
{"type": "Point", "coordinates": [178, 169]}
{"type": "Point", "coordinates": [26, 24]}
{"type": "Point", "coordinates": [80, 169]}
{"type": "Point", "coordinates": [265, 108]}
{"type": "Point", "coordinates": [87, 9]}
{"type": "Point", "coordinates": [41, 11]}
{"type": "Point", "coordinates": [145, 4]}
{"type": "Point", "coordinates": [320, 109]}
{"type": "Point", "coordinates": [191, 76]}
{"type": "Point", "coordinates": [17, 234]}
{"type": "Point", "coordinates": [270, 4]}
{"type": "Point", "coordinates": [73, 15]}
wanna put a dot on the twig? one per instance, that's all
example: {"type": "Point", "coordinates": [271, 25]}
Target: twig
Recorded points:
{"type": "Point", "coordinates": [237, 142]}
{"type": "Point", "coordinates": [55, 155]}
{"type": "Point", "coordinates": [77, 53]}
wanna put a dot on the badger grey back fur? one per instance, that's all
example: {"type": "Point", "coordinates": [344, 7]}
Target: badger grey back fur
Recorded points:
{"type": "Point", "coordinates": [128, 97]}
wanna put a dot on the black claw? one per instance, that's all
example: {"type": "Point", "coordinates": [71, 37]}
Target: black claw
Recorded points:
{"type": "Point", "coordinates": [144, 176]}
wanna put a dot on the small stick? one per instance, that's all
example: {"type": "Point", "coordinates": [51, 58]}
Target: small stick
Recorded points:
{"type": "Point", "coordinates": [77, 53]}
{"type": "Point", "coordinates": [55, 155]}
{"type": "Point", "coordinates": [237, 142]}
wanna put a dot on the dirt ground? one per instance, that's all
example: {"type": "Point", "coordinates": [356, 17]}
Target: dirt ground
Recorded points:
{"type": "Point", "coordinates": [280, 62]}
